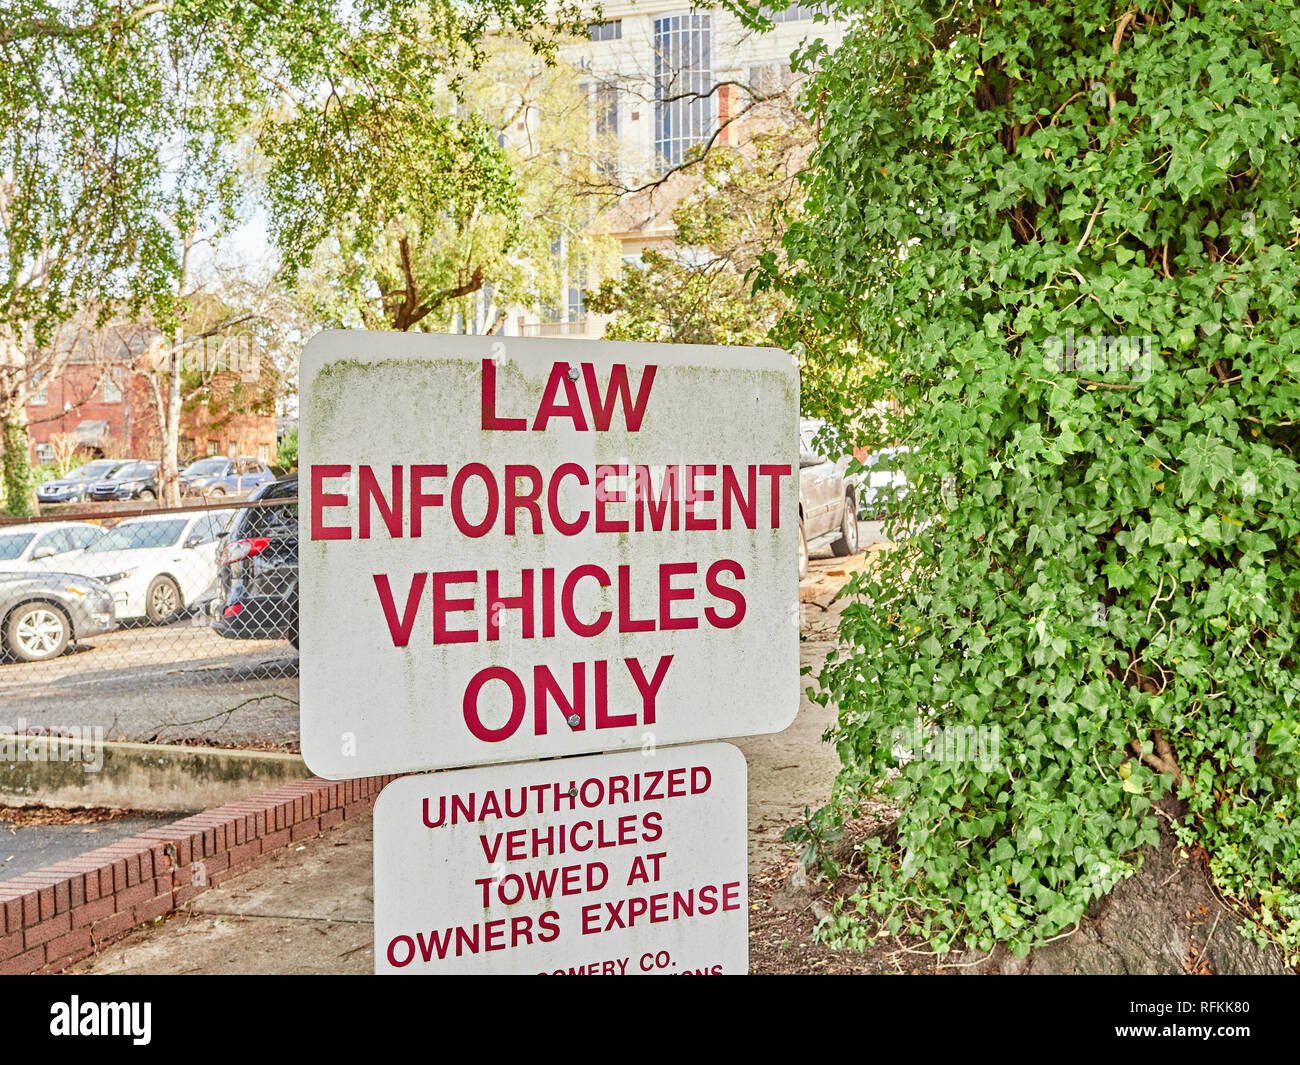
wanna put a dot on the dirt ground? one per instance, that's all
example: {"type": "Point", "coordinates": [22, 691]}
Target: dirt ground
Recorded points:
{"type": "Point", "coordinates": [787, 772]}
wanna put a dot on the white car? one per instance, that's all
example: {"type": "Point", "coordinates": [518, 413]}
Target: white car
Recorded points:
{"type": "Point", "coordinates": [44, 547]}
{"type": "Point", "coordinates": [157, 566]}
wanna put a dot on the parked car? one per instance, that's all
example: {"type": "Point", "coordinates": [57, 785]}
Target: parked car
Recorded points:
{"type": "Point", "coordinates": [157, 566]}
{"type": "Point", "coordinates": [216, 476]}
{"type": "Point", "coordinates": [884, 485]}
{"type": "Point", "coordinates": [258, 569]}
{"type": "Point", "coordinates": [72, 486]}
{"type": "Point", "coordinates": [41, 613]}
{"type": "Point", "coordinates": [828, 510]}
{"type": "Point", "coordinates": [135, 480]}
{"type": "Point", "coordinates": [45, 546]}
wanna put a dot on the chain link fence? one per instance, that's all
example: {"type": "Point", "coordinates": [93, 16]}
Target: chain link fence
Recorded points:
{"type": "Point", "coordinates": [156, 624]}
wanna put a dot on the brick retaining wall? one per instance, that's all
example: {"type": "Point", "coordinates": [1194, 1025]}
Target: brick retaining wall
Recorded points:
{"type": "Point", "coordinates": [55, 916]}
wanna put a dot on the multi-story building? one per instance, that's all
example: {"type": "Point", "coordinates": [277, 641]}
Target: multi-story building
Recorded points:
{"type": "Point", "coordinates": [104, 399]}
{"type": "Point", "coordinates": [664, 79]}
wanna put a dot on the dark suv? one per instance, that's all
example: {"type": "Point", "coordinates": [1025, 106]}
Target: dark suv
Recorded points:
{"type": "Point", "coordinates": [257, 569]}
{"type": "Point", "coordinates": [134, 480]}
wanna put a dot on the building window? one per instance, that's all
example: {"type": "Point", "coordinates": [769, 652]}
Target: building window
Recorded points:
{"type": "Point", "coordinates": [263, 452]}
{"type": "Point", "coordinates": [606, 31]}
{"type": "Point", "coordinates": [685, 108]}
{"type": "Point", "coordinates": [109, 388]}
{"type": "Point", "coordinates": [214, 448]}
{"type": "Point", "coordinates": [797, 12]}
{"type": "Point", "coordinates": [769, 79]}
{"type": "Point", "coordinates": [606, 110]}
{"type": "Point", "coordinates": [40, 392]}
{"type": "Point", "coordinates": [607, 101]}
{"type": "Point", "coordinates": [45, 454]}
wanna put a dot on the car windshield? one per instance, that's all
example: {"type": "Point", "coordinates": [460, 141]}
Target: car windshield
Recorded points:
{"type": "Point", "coordinates": [271, 521]}
{"type": "Point", "coordinates": [204, 468]}
{"type": "Point", "coordinates": [138, 534]}
{"type": "Point", "coordinates": [98, 468]}
{"type": "Point", "coordinates": [134, 471]}
{"type": "Point", "coordinates": [13, 544]}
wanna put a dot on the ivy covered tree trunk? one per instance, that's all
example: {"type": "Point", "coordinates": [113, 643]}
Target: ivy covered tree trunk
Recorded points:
{"type": "Point", "coordinates": [19, 484]}
{"type": "Point", "coordinates": [1068, 233]}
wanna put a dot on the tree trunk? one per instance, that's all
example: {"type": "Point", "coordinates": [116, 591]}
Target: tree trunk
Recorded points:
{"type": "Point", "coordinates": [169, 489]}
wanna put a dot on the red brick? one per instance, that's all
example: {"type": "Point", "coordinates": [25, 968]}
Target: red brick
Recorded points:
{"type": "Point", "coordinates": [31, 907]}
{"type": "Point", "coordinates": [88, 914]}
{"type": "Point", "coordinates": [41, 906]}
{"type": "Point", "coordinates": [275, 840]}
{"type": "Point", "coordinates": [305, 829]}
{"type": "Point", "coordinates": [47, 930]}
{"type": "Point", "coordinates": [77, 892]}
{"type": "Point", "coordinates": [217, 862]}
{"type": "Point", "coordinates": [182, 895]}
{"type": "Point", "coordinates": [115, 925]}
{"type": "Point", "coordinates": [245, 852]}
{"type": "Point", "coordinates": [23, 963]}
{"type": "Point", "coordinates": [76, 940]}
{"type": "Point", "coordinates": [132, 895]}
{"type": "Point", "coordinates": [155, 907]}
{"type": "Point", "coordinates": [11, 945]}
{"type": "Point", "coordinates": [330, 818]}
{"type": "Point", "coordinates": [11, 913]}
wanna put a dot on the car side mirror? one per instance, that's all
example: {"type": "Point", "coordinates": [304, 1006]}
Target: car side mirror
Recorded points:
{"type": "Point", "coordinates": [42, 552]}
{"type": "Point", "coordinates": [807, 458]}
{"type": "Point", "coordinates": [194, 541]}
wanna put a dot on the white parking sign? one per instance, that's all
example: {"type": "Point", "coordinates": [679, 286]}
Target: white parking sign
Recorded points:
{"type": "Point", "coordinates": [526, 548]}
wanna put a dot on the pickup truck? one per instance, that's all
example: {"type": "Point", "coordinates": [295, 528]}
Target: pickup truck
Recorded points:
{"type": "Point", "coordinates": [828, 507]}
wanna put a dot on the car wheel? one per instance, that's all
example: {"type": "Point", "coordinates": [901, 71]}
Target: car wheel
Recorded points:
{"type": "Point", "coordinates": [216, 493]}
{"type": "Point", "coordinates": [803, 553]}
{"type": "Point", "coordinates": [37, 631]}
{"type": "Point", "coordinates": [847, 544]}
{"type": "Point", "coordinates": [148, 494]}
{"type": "Point", "coordinates": [163, 600]}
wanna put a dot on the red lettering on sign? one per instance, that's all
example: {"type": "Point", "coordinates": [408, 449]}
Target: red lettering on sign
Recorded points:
{"type": "Point", "coordinates": [442, 606]}
{"type": "Point", "coordinates": [400, 629]}
{"type": "Point", "coordinates": [490, 419]}
{"type": "Point", "coordinates": [721, 591]}
{"type": "Point", "coordinates": [549, 408]}
{"type": "Point", "coordinates": [320, 499]}
{"type": "Point", "coordinates": [419, 500]}
{"type": "Point", "coordinates": [518, 701]}
{"type": "Point", "coordinates": [602, 407]}
{"type": "Point", "coordinates": [391, 513]}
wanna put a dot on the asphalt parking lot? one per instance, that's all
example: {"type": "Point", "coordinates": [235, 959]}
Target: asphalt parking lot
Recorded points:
{"type": "Point", "coordinates": [162, 683]}
{"type": "Point", "coordinates": [180, 681]}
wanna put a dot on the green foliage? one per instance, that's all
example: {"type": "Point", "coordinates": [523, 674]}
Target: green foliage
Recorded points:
{"type": "Point", "coordinates": [709, 289]}
{"type": "Point", "coordinates": [403, 189]}
{"type": "Point", "coordinates": [19, 484]}
{"type": "Point", "coordinates": [286, 454]}
{"type": "Point", "coordinates": [1108, 571]}
{"type": "Point", "coordinates": [120, 126]}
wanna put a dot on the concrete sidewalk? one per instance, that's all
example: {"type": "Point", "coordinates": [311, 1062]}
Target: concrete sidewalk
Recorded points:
{"type": "Point", "coordinates": [310, 908]}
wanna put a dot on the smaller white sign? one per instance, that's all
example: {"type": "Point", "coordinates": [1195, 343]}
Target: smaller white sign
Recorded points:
{"type": "Point", "coordinates": [616, 865]}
